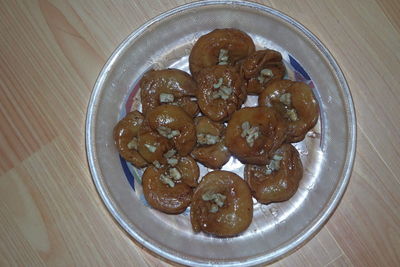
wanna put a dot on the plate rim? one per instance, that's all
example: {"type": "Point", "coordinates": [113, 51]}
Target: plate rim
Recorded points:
{"type": "Point", "coordinates": [285, 248]}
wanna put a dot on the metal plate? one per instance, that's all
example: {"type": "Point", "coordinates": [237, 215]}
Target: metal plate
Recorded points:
{"type": "Point", "coordinates": [327, 152]}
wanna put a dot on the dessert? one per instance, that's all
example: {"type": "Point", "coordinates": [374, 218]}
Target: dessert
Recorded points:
{"type": "Point", "coordinates": [221, 205]}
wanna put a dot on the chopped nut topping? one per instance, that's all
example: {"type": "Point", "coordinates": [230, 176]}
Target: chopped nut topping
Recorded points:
{"type": "Point", "coordinates": [250, 133]}
{"type": "Point", "coordinates": [224, 92]}
{"type": "Point", "coordinates": [223, 57]}
{"type": "Point", "coordinates": [167, 180]}
{"type": "Point", "coordinates": [274, 164]}
{"type": "Point", "coordinates": [151, 148]}
{"type": "Point", "coordinates": [266, 72]}
{"type": "Point", "coordinates": [219, 83]}
{"type": "Point", "coordinates": [175, 174]}
{"type": "Point", "coordinates": [214, 208]}
{"type": "Point", "coordinates": [172, 161]}
{"type": "Point", "coordinates": [207, 139]}
{"type": "Point", "coordinates": [133, 144]}
{"type": "Point", "coordinates": [170, 153]}
{"type": "Point", "coordinates": [292, 114]}
{"type": "Point", "coordinates": [217, 199]}
{"type": "Point", "coordinates": [170, 176]}
{"type": "Point", "coordinates": [157, 164]}
{"type": "Point", "coordinates": [166, 98]}
{"type": "Point", "coordinates": [168, 132]}
{"type": "Point", "coordinates": [286, 99]}
{"type": "Point", "coordinates": [245, 127]}
{"type": "Point", "coordinates": [265, 75]}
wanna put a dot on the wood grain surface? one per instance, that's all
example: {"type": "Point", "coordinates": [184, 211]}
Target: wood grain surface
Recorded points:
{"type": "Point", "coordinates": [50, 55]}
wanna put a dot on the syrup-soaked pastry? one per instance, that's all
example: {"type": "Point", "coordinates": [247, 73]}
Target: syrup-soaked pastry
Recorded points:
{"type": "Point", "coordinates": [210, 150]}
{"type": "Point", "coordinates": [220, 92]}
{"type": "Point", "coordinates": [220, 47]}
{"type": "Point", "coordinates": [296, 103]}
{"type": "Point", "coordinates": [221, 205]}
{"type": "Point", "coordinates": [126, 138]}
{"type": "Point", "coordinates": [253, 133]}
{"type": "Point", "coordinates": [279, 179]}
{"type": "Point", "coordinates": [174, 124]}
{"type": "Point", "coordinates": [168, 86]}
{"type": "Point", "coordinates": [260, 69]}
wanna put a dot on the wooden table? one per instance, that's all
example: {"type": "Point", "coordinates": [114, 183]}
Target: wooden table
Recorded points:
{"type": "Point", "coordinates": [50, 55]}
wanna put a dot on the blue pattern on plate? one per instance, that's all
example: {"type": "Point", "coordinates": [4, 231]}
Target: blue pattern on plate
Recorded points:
{"type": "Point", "coordinates": [127, 172]}
{"type": "Point", "coordinates": [296, 65]}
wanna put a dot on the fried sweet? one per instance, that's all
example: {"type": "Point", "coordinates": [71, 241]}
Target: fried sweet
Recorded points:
{"type": "Point", "coordinates": [189, 170]}
{"type": "Point", "coordinates": [260, 69]}
{"type": "Point", "coordinates": [279, 179]}
{"type": "Point", "coordinates": [253, 133]}
{"type": "Point", "coordinates": [296, 103]}
{"type": "Point", "coordinates": [210, 150]}
{"type": "Point", "coordinates": [126, 138]}
{"type": "Point", "coordinates": [152, 146]}
{"type": "Point", "coordinates": [221, 205]}
{"type": "Point", "coordinates": [165, 190]}
{"type": "Point", "coordinates": [220, 92]}
{"type": "Point", "coordinates": [174, 124]}
{"type": "Point", "coordinates": [220, 47]}
{"type": "Point", "coordinates": [168, 86]}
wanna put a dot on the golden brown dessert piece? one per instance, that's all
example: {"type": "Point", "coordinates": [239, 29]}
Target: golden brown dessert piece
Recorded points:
{"type": "Point", "coordinates": [221, 205]}
{"type": "Point", "coordinates": [174, 124]}
{"type": "Point", "coordinates": [296, 103]}
{"type": "Point", "coordinates": [151, 145]}
{"type": "Point", "coordinates": [253, 133]}
{"type": "Point", "coordinates": [189, 170]}
{"type": "Point", "coordinates": [165, 190]}
{"type": "Point", "coordinates": [169, 86]}
{"type": "Point", "coordinates": [220, 92]}
{"type": "Point", "coordinates": [279, 179]}
{"type": "Point", "coordinates": [126, 138]}
{"type": "Point", "coordinates": [260, 69]}
{"type": "Point", "coordinates": [220, 47]}
{"type": "Point", "coordinates": [210, 149]}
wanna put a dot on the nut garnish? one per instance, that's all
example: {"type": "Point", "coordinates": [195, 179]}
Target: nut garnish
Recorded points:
{"type": "Point", "coordinates": [157, 164]}
{"type": "Point", "coordinates": [251, 133]}
{"type": "Point", "coordinates": [224, 92]}
{"type": "Point", "coordinates": [166, 98]}
{"type": "Point", "coordinates": [170, 176]}
{"type": "Point", "coordinates": [168, 132]}
{"type": "Point", "coordinates": [265, 75]}
{"type": "Point", "coordinates": [133, 144]}
{"type": "Point", "coordinates": [217, 199]}
{"type": "Point", "coordinates": [219, 83]}
{"type": "Point", "coordinates": [214, 208]}
{"type": "Point", "coordinates": [286, 99]}
{"type": "Point", "coordinates": [175, 174]}
{"type": "Point", "coordinates": [167, 180]}
{"type": "Point", "coordinates": [170, 153]}
{"type": "Point", "coordinates": [151, 148]}
{"type": "Point", "coordinates": [171, 160]}
{"type": "Point", "coordinates": [223, 57]}
{"type": "Point", "coordinates": [274, 164]}
{"type": "Point", "coordinates": [207, 139]}
{"type": "Point", "coordinates": [292, 114]}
